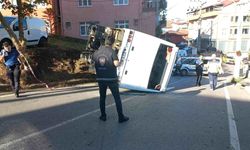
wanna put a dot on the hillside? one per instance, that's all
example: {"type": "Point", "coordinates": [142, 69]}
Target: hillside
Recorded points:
{"type": "Point", "coordinates": [57, 64]}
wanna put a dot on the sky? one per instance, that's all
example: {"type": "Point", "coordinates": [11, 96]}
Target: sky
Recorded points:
{"type": "Point", "coordinates": [177, 9]}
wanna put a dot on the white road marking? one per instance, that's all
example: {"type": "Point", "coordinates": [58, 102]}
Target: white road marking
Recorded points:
{"type": "Point", "coordinates": [234, 139]}
{"type": "Point", "coordinates": [170, 88]}
{"type": "Point", "coordinates": [6, 145]}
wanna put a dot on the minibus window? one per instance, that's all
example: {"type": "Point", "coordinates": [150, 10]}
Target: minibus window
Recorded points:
{"type": "Point", "coordinates": [158, 68]}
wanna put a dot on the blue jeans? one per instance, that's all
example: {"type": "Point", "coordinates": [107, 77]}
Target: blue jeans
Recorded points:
{"type": "Point", "coordinates": [114, 88]}
{"type": "Point", "coordinates": [213, 80]}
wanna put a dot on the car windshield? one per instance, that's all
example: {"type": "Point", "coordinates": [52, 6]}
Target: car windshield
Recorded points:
{"type": "Point", "coordinates": [8, 20]}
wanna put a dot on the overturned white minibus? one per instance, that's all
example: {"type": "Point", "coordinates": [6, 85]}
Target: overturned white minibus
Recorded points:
{"type": "Point", "coordinates": [146, 62]}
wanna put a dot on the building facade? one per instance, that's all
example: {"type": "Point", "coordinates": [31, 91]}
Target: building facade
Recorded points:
{"type": "Point", "coordinates": [223, 25]}
{"type": "Point", "coordinates": [232, 31]}
{"type": "Point", "coordinates": [201, 18]}
{"type": "Point", "coordinates": [77, 15]}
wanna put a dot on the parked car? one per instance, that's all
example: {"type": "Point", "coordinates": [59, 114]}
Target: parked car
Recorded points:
{"type": "Point", "coordinates": [188, 65]}
{"type": "Point", "coordinates": [35, 30]}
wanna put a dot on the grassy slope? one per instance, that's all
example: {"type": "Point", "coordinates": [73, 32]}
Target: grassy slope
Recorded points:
{"type": "Point", "coordinates": [52, 63]}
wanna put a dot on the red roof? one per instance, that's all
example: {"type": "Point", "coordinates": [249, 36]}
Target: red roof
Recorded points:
{"type": "Point", "coordinates": [228, 2]}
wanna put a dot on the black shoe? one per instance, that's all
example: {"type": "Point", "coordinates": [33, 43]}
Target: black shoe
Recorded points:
{"type": "Point", "coordinates": [199, 84]}
{"type": "Point", "coordinates": [17, 94]}
{"type": "Point", "coordinates": [123, 119]}
{"type": "Point", "coordinates": [103, 118]}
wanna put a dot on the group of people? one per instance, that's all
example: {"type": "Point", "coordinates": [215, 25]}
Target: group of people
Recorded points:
{"type": "Point", "coordinates": [214, 68]}
{"type": "Point", "coordinates": [106, 61]}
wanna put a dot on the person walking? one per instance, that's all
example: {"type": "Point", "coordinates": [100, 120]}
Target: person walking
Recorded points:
{"type": "Point", "coordinates": [106, 61]}
{"type": "Point", "coordinates": [178, 66]}
{"type": "Point", "coordinates": [199, 70]}
{"type": "Point", "coordinates": [214, 68]}
{"type": "Point", "coordinates": [10, 56]}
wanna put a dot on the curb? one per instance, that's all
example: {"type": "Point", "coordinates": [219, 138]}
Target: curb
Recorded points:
{"type": "Point", "coordinates": [247, 88]}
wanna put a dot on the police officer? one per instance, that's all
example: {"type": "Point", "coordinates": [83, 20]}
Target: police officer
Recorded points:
{"type": "Point", "coordinates": [106, 61]}
{"type": "Point", "coordinates": [10, 56]}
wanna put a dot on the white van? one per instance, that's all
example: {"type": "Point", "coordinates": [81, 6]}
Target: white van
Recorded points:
{"type": "Point", "coordinates": [146, 62]}
{"type": "Point", "coordinates": [35, 30]}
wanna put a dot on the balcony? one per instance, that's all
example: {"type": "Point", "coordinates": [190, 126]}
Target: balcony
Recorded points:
{"type": "Point", "coordinates": [204, 15]}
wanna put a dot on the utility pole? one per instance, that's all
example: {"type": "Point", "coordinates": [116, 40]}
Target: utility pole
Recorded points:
{"type": "Point", "coordinates": [199, 27]}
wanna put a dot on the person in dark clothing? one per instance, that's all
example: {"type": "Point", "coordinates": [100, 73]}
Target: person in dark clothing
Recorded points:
{"type": "Point", "coordinates": [178, 66]}
{"type": "Point", "coordinates": [10, 56]}
{"type": "Point", "coordinates": [199, 71]}
{"type": "Point", "coordinates": [106, 61]}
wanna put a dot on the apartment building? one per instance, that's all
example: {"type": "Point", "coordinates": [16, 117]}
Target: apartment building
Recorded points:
{"type": "Point", "coordinates": [232, 31]}
{"type": "Point", "coordinates": [77, 15]}
{"type": "Point", "coordinates": [223, 24]}
{"type": "Point", "coordinates": [201, 18]}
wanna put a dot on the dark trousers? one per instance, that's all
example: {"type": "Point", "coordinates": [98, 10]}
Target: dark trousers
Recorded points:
{"type": "Point", "coordinates": [114, 88]}
{"type": "Point", "coordinates": [213, 80]}
{"type": "Point", "coordinates": [13, 74]}
{"type": "Point", "coordinates": [199, 77]}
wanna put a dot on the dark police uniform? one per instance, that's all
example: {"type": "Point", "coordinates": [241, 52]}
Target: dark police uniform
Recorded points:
{"type": "Point", "coordinates": [106, 75]}
{"type": "Point", "coordinates": [13, 68]}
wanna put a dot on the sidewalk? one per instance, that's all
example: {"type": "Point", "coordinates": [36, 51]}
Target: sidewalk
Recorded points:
{"type": "Point", "coordinates": [246, 84]}
{"type": "Point", "coordinates": [5, 88]}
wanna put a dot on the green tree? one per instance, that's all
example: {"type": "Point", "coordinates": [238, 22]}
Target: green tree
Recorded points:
{"type": "Point", "coordinates": [162, 10]}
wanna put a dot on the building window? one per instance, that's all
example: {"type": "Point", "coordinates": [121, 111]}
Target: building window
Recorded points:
{"type": "Point", "coordinates": [85, 3]}
{"type": "Point", "coordinates": [68, 25]}
{"type": "Point", "coordinates": [246, 18]}
{"type": "Point", "coordinates": [245, 31]}
{"type": "Point", "coordinates": [136, 22]}
{"type": "Point", "coordinates": [232, 19]}
{"type": "Point", "coordinates": [122, 24]}
{"type": "Point", "coordinates": [84, 28]}
{"type": "Point", "coordinates": [235, 31]}
{"type": "Point", "coordinates": [236, 19]}
{"type": "Point", "coordinates": [231, 31]}
{"type": "Point", "coordinates": [120, 2]}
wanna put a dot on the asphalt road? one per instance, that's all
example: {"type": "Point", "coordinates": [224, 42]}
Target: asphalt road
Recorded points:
{"type": "Point", "coordinates": [186, 117]}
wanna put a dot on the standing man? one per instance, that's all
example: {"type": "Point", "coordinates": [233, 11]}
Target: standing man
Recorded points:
{"type": "Point", "coordinates": [106, 61]}
{"type": "Point", "coordinates": [214, 68]}
{"type": "Point", "coordinates": [199, 70]}
{"type": "Point", "coordinates": [10, 56]}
